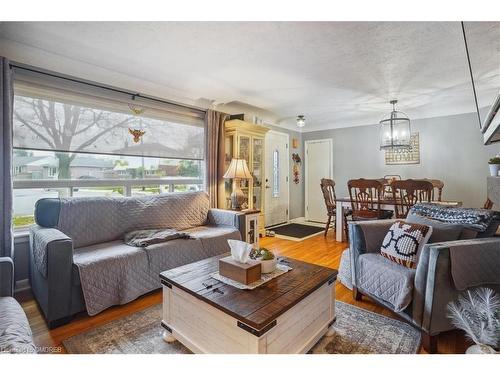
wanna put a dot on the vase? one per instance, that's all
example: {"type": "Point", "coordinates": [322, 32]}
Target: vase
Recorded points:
{"type": "Point", "coordinates": [494, 168]}
{"type": "Point", "coordinates": [480, 349]}
{"type": "Point", "coordinates": [268, 266]}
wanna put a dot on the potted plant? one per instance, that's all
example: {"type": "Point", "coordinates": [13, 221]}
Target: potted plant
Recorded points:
{"type": "Point", "coordinates": [494, 165]}
{"type": "Point", "coordinates": [266, 258]}
{"type": "Point", "coordinates": [477, 312]}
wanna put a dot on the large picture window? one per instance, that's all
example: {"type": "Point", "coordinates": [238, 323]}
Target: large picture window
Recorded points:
{"type": "Point", "coordinates": [72, 140]}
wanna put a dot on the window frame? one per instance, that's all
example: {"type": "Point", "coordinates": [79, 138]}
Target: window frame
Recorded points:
{"type": "Point", "coordinates": [25, 76]}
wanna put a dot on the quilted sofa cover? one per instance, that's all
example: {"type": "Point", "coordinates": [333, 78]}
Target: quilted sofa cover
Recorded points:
{"type": "Point", "coordinates": [421, 295]}
{"type": "Point", "coordinates": [15, 331]}
{"type": "Point", "coordinates": [81, 240]}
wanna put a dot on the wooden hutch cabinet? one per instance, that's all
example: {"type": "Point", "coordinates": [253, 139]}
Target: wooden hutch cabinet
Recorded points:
{"type": "Point", "coordinates": [246, 141]}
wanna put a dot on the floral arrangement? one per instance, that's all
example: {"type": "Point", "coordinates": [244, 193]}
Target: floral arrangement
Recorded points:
{"type": "Point", "coordinates": [261, 254]}
{"type": "Point", "coordinates": [477, 313]}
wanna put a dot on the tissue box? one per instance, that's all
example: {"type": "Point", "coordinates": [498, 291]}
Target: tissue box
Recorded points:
{"type": "Point", "coordinates": [245, 273]}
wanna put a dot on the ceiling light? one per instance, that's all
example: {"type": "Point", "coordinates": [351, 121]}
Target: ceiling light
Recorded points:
{"type": "Point", "coordinates": [301, 121]}
{"type": "Point", "coordinates": [395, 131]}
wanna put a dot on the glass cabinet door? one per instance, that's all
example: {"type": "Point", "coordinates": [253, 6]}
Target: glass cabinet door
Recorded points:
{"type": "Point", "coordinates": [228, 155]}
{"type": "Point", "coordinates": [244, 153]}
{"type": "Point", "coordinates": [257, 159]}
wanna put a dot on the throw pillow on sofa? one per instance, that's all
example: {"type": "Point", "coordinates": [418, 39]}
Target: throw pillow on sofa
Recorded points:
{"type": "Point", "coordinates": [403, 242]}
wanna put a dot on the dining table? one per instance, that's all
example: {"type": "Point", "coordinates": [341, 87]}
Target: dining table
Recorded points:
{"type": "Point", "coordinates": [344, 204]}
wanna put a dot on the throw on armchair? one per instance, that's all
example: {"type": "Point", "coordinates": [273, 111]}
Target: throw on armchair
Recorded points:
{"type": "Point", "coordinates": [421, 295]}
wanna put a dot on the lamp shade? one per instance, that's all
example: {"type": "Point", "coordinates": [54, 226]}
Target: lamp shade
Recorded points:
{"type": "Point", "coordinates": [238, 169]}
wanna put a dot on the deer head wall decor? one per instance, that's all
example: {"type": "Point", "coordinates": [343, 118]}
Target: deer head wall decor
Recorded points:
{"type": "Point", "coordinates": [137, 133]}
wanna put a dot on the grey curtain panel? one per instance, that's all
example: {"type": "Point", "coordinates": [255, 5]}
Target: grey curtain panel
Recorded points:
{"type": "Point", "coordinates": [6, 110]}
{"type": "Point", "coordinates": [214, 147]}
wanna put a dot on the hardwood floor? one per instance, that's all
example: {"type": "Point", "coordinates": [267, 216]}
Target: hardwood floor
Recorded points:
{"type": "Point", "coordinates": [319, 250]}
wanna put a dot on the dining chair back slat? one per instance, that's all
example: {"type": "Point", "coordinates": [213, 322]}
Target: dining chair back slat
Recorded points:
{"type": "Point", "coordinates": [406, 193]}
{"type": "Point", "coordinates": [437, 186]}
{"type": "Point", "coordinates": [365, 196]}
{"type": "Point", "coordinates": [328, 190]}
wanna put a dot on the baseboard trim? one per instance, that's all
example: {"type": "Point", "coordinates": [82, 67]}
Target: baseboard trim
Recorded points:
{"type": "Point", "coordinates": [22, 286]}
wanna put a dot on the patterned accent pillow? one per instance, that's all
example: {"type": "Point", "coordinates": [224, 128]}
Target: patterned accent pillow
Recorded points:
{"type": "Point", "coordinates": [404, 241]}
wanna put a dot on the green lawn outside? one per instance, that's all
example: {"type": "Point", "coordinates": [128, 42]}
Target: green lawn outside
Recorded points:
{"type": "Point", "coordinates": [21, 221]}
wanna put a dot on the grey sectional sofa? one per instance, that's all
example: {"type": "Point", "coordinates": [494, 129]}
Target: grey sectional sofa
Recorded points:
{"type": "Point", "coordinates": [78, 260]}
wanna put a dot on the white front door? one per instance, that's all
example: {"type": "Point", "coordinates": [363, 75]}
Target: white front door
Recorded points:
{"type": "Point", "coordinates": [276, 182]}
{"type": "Point", "coordinates": [318, 165]}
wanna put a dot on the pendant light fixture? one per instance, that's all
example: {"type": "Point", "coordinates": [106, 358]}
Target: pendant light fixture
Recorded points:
{"type": "Point", "coordinates": [395, 130]}
{"type": "Point", "coordinates": [301, 121]}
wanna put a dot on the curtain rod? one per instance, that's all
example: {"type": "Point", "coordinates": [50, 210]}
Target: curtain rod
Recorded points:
{"type": "Point", "coordinates": [133, 95]}
{"type": "Point", "coordinates": [471, 76]}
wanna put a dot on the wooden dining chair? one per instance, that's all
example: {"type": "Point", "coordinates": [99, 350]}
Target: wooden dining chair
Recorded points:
{"type": "Point", "coordinates": [328, 190]}
{"type": "Point", "coordinates": [365, 198]}
{"type": "Point", "coordinates": [437, 185]}
{"type": "Point", "coordinates": [386, 181]}
{"type": "Point", "coordinates": [405, 193]}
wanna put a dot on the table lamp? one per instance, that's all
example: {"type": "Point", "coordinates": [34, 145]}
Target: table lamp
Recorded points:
{"type": "Point", "coordinates": [238, 169]}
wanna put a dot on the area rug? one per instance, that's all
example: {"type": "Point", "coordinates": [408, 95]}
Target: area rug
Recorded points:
{"type": "Point", "coordinates": [296, 232]}
{"type": "Point", "coordinates": [356, 331]}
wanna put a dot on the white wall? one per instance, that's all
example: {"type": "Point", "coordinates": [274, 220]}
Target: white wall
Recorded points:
{"type": "Point", "coordinates": [451, 150]}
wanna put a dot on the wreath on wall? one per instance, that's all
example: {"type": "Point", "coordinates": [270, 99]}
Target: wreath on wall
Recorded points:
{"type": "Point", "coordinates": [297, 161]}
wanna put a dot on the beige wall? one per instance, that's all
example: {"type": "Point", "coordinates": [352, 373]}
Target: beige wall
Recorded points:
{"type": "Point", "coordinates": [451, 150]}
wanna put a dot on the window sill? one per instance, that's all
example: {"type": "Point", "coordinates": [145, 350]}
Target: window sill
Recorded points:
{"type": "Point", "coordinates": [21, 236]}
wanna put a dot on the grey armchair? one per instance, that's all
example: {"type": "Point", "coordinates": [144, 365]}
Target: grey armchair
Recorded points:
{"type": "Point", "coordinates": [15, 332]}
{"type": "Point", "coordinates": [419, 295]}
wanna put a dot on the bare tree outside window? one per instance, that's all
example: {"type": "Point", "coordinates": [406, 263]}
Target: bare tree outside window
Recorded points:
{"type": "Point", "coordinates": [63, 127]}
{"type": "Point", "coordinates": [59, 126]}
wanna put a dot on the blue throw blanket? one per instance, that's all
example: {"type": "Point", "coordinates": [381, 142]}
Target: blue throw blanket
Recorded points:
{"type": "Point", "coordinates": [478, 219]}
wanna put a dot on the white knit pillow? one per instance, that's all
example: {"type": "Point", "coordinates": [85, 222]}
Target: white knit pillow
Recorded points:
{"type": "Point", "coordinates": [403, 242]}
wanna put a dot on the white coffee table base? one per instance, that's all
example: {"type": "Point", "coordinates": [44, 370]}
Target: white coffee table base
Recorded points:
{"type": "Point", "coordinates": [203, 328]}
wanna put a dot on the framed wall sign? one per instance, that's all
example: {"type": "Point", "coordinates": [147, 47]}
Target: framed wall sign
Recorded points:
{"type": "Point", "coordinates": [405, 156]}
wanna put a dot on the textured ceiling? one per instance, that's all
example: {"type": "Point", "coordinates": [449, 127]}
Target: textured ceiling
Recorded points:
{"type": "Point", "coordinates": [337, 74]}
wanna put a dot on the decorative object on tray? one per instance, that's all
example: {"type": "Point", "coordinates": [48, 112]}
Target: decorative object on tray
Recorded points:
{"type": "Point", "coordinates": [239, 267]}
{"type": "Point", "coordinates": [266, 258]}
{"type": "Point", "coordinates": [243, 273]}
{"type": "Point", "coordinates": [240, 251]}
{"type": "Point", "coordinates": [494, 165]}
{"type": "Point", "coordinates": [265, 277]}
{"type": "Point", "coordinates": [477, 312]}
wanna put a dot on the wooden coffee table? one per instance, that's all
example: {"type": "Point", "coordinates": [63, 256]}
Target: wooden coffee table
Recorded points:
{"type": "Point", "coordinates": [289, 314]}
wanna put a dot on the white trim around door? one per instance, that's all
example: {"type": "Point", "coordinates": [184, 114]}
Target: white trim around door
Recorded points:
{"type": "Point", "coordinates": [326, 163]}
